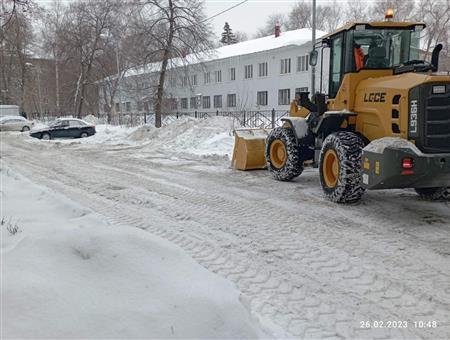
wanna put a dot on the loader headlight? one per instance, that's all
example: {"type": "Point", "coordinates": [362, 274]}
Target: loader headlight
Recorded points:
{"type": "Point", "coordinates": [438, 89]}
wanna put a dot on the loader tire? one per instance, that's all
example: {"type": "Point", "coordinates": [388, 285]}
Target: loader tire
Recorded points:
{"type": "Point", "coordinates": [283, 154]}
{"type": "Point", "coordinates": [433, 194]}
{"type": "Point", "coordinates": [340, 167]}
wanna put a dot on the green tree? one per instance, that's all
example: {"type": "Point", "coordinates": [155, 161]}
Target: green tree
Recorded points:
{"type": "Point", "coordinates": [228, 37]}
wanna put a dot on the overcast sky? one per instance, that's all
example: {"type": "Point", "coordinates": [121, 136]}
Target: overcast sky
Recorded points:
{"type": "Point", "coordinates": [247, 17]}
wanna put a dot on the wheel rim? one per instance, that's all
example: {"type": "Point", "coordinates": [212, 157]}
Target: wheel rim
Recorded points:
{"type": "Point", "coordinates": [330, 168]}
{"type": "Point", "coordinates": [278, 154]}
{"type": "Point", "coordinates": [84, 135]}
{"type": "Point", "coordinates": [46, 136]}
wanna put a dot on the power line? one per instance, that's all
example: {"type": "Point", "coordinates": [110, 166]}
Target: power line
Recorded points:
{"type": "Point", "coordinates": [225, 10]}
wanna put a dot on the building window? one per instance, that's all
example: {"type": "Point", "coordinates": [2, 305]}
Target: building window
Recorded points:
{"type": "Point", "coordinates": [206, 102]}
{"type": "Point", "coordinates": [128, 106]}
{"type": "Point", "coordinates": [261, 98]}
{"type": "Point", "coordinates": [184, 103]}
{"type": "Point", "coordinates": [194, 79]}
{"type": "Point", "coordinates": [218, 76]}
{"type": "Point", "coordinates": [285, 66]}
{"type": "Point", "coordinates": [284, 97]}
{"type": "Point", "coordinates": [194, 103]}
{"type": "Point", "coordinates": [301, 89]}
{"type": "Point", "coordinates": [184, 81]}
{"type": "Point", "coordinates": [173, 104]}
{"type": "Point", "coordinates": [218, 101]}
{"type": "Point", "coordinates": [302, 63]}
{"type": "Point", "coordinates": [147, 106]}
{"type": "Point", "coordinates": [231, 100]}
{"type": "Point", "coordinates": [232, 73]}
{"type": "Point", "coordinates": [248, 71]}
{"type": "Point", "coordinates": [207, 77]}
{"type": "Point", "coordinates": [262, 69]}
{"type": "Point", "coordinates": [117, 107]}
{"type": "Point", "coordinates": [140, 106]}
{"type": "Point", "coordinates": [173, 82]}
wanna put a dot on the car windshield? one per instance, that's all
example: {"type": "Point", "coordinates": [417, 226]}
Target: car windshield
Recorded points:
{"type": "Point", "coordinates": [387, 48]}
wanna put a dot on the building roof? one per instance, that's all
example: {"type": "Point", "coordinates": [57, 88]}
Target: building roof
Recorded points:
{"type": "Point", "coordinates": [289, 38]}
{"type": "Point", "coordinates": [377, 24]}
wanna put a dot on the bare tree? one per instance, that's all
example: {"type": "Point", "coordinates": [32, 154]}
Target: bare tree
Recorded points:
{"type": "Point", "coordinates": [176, 32]}
{"type": "Point", "coordinates": [357, 11]}
{"type": "Point", "coordinates": [16, 38]}
{"type": "Point", "coordinates": [271, 22]}
{"type": "Point", "coordinates": [240, 36]}
{"type": "Point", "coordinates": [84, 24]}
{"type": "Point", "coordinates": [300, 15]}
{"type": "Point", "coordinates": [9, 8]}
{"type": "Point", "coordinates": [436, 15]}
{"type": "Point", "coordinates": [403, 9]}
{"type": "Point", "coordinates": [329, 17]}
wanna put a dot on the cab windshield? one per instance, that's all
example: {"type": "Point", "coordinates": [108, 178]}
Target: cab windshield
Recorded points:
{"type": "Point", "coordinates": [376, 48]}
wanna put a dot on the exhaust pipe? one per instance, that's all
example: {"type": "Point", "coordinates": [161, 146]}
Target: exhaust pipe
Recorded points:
{"type": "Point", "coordinates": [435, 57]}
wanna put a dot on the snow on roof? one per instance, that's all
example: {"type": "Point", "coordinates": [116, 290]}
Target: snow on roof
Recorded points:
{"type": "Point", "coordinates": [297, 37]}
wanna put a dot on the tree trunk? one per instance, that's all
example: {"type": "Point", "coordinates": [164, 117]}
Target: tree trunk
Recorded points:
{"type": "Point", "coordinates": [162, 74]}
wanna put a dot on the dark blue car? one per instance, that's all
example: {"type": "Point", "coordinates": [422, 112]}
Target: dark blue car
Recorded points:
{"type": "Point", "coordinates": [65, 128]}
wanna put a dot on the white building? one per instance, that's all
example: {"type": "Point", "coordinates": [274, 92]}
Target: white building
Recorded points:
{"type": "Point", "coordinates": [259, 74]}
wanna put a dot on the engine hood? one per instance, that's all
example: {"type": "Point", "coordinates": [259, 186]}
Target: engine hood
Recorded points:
{"type": "Point", "coordinates": [404, 81]}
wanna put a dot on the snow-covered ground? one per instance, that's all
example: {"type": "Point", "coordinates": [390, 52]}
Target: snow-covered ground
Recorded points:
{"type": "Point", "coordinates": [68, 273]}
{"type": "Point", "coordinates": [305, 267]}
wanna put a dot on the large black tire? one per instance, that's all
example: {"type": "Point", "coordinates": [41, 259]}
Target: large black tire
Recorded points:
{"type": "Point", "coordinates": [292, 165]}
{"type": "Point", "coordinates": [343, 183]}
{"type": "Point", "coordinates": [433, 194]}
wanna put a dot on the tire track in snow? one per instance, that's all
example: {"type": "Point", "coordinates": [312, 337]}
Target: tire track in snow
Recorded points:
{"type": "Point", "coordinates": [280, 255]}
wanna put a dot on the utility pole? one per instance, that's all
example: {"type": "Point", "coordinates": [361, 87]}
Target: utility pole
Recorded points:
{"type": "Point", "coordinates": [313, 42]}
{"type": "Point", "coordinates": [57, 85]}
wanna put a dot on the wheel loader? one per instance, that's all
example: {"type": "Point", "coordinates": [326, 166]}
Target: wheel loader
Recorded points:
{"type": "Point", "coordinates": [384, 122]}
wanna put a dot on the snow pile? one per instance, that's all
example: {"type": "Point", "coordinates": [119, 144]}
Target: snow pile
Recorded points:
{"type": "Point", "coordinates": [91, 119]}
{"type": "Point", "coordinates": [186, 136]}
{"type": "Point", "coordinates": [378, 145]}
{"type": "Point", "coordinates": [212, 136]}
{"type": "Point", "coordinates": [67, 274]}
{"type": "Point", "coordinates": [201, 137]}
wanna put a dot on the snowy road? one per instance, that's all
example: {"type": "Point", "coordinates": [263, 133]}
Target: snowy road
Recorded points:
{"type": "Point", "coordinates": [307, 267]}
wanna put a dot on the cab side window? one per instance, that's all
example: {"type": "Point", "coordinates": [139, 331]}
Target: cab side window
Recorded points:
{"type": "Point", "coordinates": [336, 64]}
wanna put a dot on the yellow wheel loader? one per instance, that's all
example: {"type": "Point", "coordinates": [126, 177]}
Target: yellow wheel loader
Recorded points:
{"type": "Point", "coordinates": [384, 123]}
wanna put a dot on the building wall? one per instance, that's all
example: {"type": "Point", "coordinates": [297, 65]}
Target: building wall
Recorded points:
{"type": "Point", "coordinates": [181, 86]}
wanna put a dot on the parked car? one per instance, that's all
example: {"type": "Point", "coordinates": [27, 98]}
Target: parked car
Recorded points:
{"type": "Point", "coordinates": [15, 123]}
{"type": "Point", "coordinates": [65, 128]}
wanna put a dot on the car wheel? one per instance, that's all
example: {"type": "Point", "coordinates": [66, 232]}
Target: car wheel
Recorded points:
{"type": "Point", "coordinates": [25, 129]}
{"type": "Point", "coordinates": [45, 136]}
{"type": "Point", "coordinates": [83, 135]}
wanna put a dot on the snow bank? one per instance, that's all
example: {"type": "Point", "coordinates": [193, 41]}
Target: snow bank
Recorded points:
{"type": "Point", "coordinates": [204, 137]}
{"type": "Point", "coordinates": [91, 119]}
{"type": "Point", "coordinates": [378, 145]}
{"type": "Point", "coordinates": [212, 137]}
{"type": "Point", "coordinates": [66, 273]}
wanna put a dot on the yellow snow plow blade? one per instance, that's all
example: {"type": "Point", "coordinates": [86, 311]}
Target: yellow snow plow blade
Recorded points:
{"type": "Point", "coordinates": [249, 149]}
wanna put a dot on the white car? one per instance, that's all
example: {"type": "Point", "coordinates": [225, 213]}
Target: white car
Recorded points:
{"type": "Point", "coordinates": [15, 123]}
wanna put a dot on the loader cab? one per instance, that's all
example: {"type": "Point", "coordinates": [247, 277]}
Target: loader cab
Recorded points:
{"type": "Point", "coordinates": [361, 47]}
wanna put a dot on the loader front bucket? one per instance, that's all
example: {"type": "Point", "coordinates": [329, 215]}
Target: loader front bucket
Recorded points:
{"type": "Point", "coordinates": [249, 149]}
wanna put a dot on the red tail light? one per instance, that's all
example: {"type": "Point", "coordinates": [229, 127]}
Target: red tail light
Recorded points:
{"type": "Point", "coordinates": [407, 163]}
